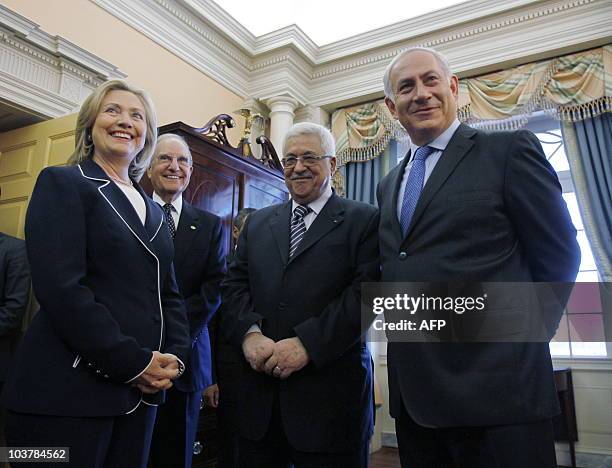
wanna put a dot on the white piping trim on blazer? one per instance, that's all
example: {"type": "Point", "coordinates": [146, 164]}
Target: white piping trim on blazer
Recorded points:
{"type": "Point", "coordinates": [135, 407]}
{"type": "Point", "coordinates": [106, 182]}
{"type": "Point", "coordinates": [161, 222]}
{"type": "Point", "coordinates": [76, 361]}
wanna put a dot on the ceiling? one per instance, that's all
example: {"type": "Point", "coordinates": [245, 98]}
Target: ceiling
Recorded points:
{"type": "Point", "coordinates": [326, 21]}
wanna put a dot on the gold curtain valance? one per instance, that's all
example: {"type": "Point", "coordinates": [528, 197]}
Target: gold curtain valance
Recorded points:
{"type": "Point", "coordinates": [363, 132]}
{"type": "Point", "coordinates": [572, 87]}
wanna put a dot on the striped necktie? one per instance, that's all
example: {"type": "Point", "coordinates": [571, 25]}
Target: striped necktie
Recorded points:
{"type": "Point", "coordinates": [298, 228]}
{"type": "Point", "coordinates": [169, 219]}
{"type": "Point", "coordinates": [414, 185]}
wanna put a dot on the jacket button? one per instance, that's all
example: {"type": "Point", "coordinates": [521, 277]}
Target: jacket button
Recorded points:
{"type": "Point", "coordinates": [403, 256]}
{"type": "Point", "coordinates": [281, 306]}
{"type": "Point", "coordinates": [156, 319]}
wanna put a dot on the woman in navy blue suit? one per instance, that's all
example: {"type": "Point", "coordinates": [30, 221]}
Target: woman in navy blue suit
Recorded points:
{"type": "Point", "coordinates": [111, 333]}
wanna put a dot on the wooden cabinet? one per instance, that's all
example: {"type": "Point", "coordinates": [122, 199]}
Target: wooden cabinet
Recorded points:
{"type": "Point", "coordinates": [223, 180]}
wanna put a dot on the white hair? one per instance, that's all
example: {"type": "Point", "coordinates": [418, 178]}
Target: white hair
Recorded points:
{"type": "Point", "coordinates": [328, 145]}
{"type": "Point", "coordinates": [442, 61]}
{"type": "Point", "coordinates": [171, 136]}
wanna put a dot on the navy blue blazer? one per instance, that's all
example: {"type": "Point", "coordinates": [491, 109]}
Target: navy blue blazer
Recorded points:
{"type": "Point", "coordinates": [199, 263]}
{"type": "Point", "coordinates": [107, 295]}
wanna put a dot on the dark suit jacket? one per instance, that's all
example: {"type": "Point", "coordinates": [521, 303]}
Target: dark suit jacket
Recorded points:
{"type": "Point", "coordinates": [491, 211]}
{"type": "Point", "coordinates": [199, 263]}
{"type": "Point", "coordinates": [326, 406]}
{"type": "Point", "coordinates": [14, 293]}
{"type": "Point", "coordinates": [107, 293]}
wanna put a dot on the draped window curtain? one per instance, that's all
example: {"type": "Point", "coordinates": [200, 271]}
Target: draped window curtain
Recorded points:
{"type": "Point", "coordinates": [576, 89]}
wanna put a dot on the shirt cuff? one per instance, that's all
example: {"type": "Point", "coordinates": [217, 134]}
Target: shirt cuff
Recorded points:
{"type": "Point", "coordinates": [253, 329]}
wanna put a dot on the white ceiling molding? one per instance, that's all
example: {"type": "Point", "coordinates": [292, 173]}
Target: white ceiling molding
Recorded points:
{"type": "Point", "coordinates": [477, 36]}
{"type": "Point", "coordinates": [42, 74]}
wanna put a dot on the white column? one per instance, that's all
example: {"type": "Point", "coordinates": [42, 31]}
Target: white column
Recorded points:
{"type": "Point", "coordinates": [281, 119]}
{"type": "Point", "coordinates": [312, 114]}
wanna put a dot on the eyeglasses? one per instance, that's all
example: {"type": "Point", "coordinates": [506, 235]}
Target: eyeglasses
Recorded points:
{"type": "Point", "coordinates": [166, 159]}
{"type": "Point", "coordinates": [307, 160]}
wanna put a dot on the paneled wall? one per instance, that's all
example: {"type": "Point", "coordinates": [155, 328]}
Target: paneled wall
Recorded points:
{"type": "Point", "coordinates": [23, 154]}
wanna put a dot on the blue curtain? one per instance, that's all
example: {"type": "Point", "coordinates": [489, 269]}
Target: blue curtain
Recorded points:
{"type": "Point", "coordinates": [361, 178]}
{"type": "Point", "coordinates": [589, 151]}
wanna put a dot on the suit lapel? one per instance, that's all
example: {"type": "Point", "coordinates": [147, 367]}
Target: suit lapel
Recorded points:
{"type": "Point", "coordinates": [188, 228]}
{"type": "Point", "coordinates": [329, 218]}
{"type": "Point", "coordinates": [457, 148]}
{"type": "Point", "coordinates": [119, 202]}
{"type": "Point", "coordinates": [279, 224]}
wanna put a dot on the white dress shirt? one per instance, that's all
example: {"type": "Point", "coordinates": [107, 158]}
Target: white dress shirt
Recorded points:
{"type": "Point", "coordinates": [177, 207]}
{"type": "Point", "coordinates": [135, 199]}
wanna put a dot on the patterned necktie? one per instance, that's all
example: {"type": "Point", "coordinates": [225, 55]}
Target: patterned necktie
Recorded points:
{"type": "Point", "coordinates": [169, 219]}
{"type": "Point", "coordinates": [414, 185]}
{"type": "Point", "coordinates": [298, 228]}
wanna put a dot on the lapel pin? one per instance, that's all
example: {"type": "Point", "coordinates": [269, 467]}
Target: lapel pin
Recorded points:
{"type": "Point", "coordinates": [193, 227]}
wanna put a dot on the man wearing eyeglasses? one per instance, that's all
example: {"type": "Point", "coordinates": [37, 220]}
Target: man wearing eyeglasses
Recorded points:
{"type": "Point", "coordinates": [293, 308]}
{"type": "Point", "coordinates": [199, 265]}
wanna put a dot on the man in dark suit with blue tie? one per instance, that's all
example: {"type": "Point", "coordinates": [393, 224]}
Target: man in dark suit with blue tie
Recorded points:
{"type": "Point", "coordinates": [467, 205]}
{"type": "Point", "coordinates": [199, 263]}
{"type": "Point", "coordinates": [292, 302]}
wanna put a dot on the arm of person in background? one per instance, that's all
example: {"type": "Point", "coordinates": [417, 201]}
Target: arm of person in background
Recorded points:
{"type": "Point", "coordinates": [16, 286]}
{"type": "Point", "coordinates": [201, 307]}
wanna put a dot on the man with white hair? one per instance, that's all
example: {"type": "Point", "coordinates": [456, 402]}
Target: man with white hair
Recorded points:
{"type": "Point", "coordinates": [292, 297]}
{"type": "Point", "coordinates": [470, 206]}
{"type": "Point", "coordinates": [199, 263]}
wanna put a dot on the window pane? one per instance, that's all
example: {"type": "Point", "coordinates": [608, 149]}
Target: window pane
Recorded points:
{"type": "Point", "coordinates": [572, 206]}
{"type": "Point", "coordinates": [585, 299]}
{"type": "Point", "coordinates": [588, 276]}
{"type": "Point", "coordinates": [587, 328]}
{"type": "Point", "coordinates": [587, 262]}
{"type": "Point", "coordinates": [559, 348]}
{"type": "Point", "coordinates": [589, 349]}
{"type": "Point", "coordinates": [552, 144]}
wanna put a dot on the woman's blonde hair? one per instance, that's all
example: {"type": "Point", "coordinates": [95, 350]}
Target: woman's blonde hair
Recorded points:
{"type": "Point", "coordinates": [84, 147]}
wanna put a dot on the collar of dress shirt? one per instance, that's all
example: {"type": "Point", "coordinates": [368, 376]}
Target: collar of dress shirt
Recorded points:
{"type": "Point", "coordinates": [177, 203]}
{"type": "Point", "coordinates": [317, 205]}
{"type": "Point", "coordinates": [441, 141]}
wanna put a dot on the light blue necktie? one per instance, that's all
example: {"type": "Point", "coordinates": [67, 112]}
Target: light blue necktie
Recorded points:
{"type": "Point", "coordinates": [414, 185]}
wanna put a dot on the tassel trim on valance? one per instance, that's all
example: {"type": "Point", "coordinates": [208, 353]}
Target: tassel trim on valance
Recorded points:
{"type": "Point", "coordinates": [393, 130]}
{"type": "Point", "coordinates": [575, 113]}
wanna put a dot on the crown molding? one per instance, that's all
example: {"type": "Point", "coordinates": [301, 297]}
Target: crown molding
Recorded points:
{"type": "Point", "coordinates": [477, 36]}
{"type": "Point", "coordinates": [43, 74]}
